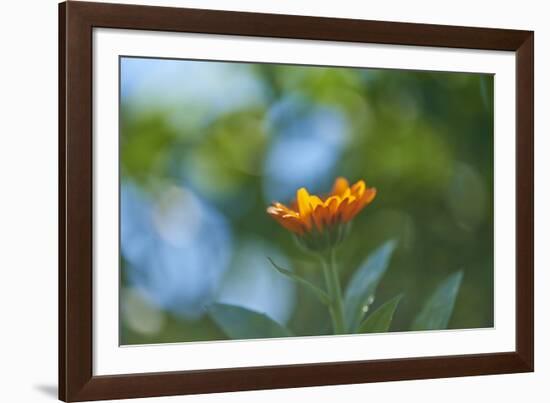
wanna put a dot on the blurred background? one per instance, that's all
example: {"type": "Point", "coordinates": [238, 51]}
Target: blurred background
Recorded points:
{"type": "Point", "coordinates": [206, 146]}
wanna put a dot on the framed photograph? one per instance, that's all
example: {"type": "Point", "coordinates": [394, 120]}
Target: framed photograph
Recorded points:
{"type": "Point", "coordinates": [252, 201]}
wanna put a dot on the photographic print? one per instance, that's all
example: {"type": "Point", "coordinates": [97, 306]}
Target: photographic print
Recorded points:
{"type": "Point", "coordinates": [267, 200]}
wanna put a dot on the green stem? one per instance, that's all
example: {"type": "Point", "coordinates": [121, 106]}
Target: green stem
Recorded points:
{"type": "Point", "coordinates": [333, 287]}
{"type": "Point", "coordinates": [328, 282]}
{"type": "Point", "coordinates": [339, 305]}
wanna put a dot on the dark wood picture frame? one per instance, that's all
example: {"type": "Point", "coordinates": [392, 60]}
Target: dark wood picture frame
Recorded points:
{"type": "Point", "coordinates": [76, 23]}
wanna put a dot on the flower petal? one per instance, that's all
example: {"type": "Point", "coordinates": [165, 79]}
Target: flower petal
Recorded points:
{"type": "Point", "coordinates": [340, 186]}
{"type": "Point", "coordinates": [288, 221]}
{"type": "Point", "coordinates": [293, 223]}
{"type": "Point", "coordinates": [302, 198]}
{"type": "Point", "coordinates": [332, 202]}
{"type": "Point", "coordinates": [284, 208]}
{"type": "Point", "coordinates": [314, 201]}
{"type": "Point", "coordinates": [358, 188]}
{"type": "Point", "coordinates": [347, 207]}
{"type": "Point", "coordinates": [331, 205]}
{"type": "Point", "coordinates": [272, 210]}
{"type": "Point", "coordinates": [304, 206]}
{"type": "Point", "coordinates": [368, 197]}
{"type": "Point", "coordinates": [318, 218]}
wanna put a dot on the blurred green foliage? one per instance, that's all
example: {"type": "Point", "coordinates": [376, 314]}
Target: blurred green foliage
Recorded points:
{"type": "Point", "coordinates": [423, 139]}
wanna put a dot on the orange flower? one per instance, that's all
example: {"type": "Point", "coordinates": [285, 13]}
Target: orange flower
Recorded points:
{"type": "Point", "coordinates": [311, 214]}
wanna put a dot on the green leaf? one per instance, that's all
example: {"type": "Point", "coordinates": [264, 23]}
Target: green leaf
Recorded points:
{"type": "Point", "coordinates": [242, 323]}
{"type": "Point", "coordinates": [323, 296]}
{"type": "Point", "coordinates": [438, 309]}
{"type": "Point", "coordinates": [362, 286]}
{"type": "Point", "coordinates": [380, 320]}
